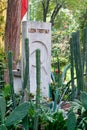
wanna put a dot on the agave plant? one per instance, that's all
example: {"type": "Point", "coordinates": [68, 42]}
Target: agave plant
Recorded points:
{"type": "Point", "coordinates": [80, 111]}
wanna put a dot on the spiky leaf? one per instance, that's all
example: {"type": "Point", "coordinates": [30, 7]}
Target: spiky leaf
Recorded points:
{"type": "Point", "coordinates": [18, 114]}
{"type": "Point", "coordinates": [67, 67]}
{"type": "Point", "coordinates": [56, 99]}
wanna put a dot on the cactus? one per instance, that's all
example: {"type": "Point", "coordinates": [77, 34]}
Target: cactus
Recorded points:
{"type": "Point", "coordinates": [26, 78]}
{"type": "Point", "coordinates": [18, 114]}
{"type": "Point", "coordinates": [80, 67]}
{"type": "Point", "coordinates": [72, 67]}
{"type": "Point", "coordinates": [75, 55]}
{"type": "Point", "coordinates": [38, 76]}
{"type": "Point", "coordinates": [11, 78]}
{"type": "Point", "coordinates": [78, 62]}
{"type": "Point", "coordinates": [26, 82]}
{"type": "Point", "coordinates": [85, 49]}
{"type": "Point", "coordinates": [26, 72]}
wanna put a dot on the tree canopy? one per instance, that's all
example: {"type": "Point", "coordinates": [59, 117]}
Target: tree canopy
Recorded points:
{"type": "Point", "coordinates": [48, 10]}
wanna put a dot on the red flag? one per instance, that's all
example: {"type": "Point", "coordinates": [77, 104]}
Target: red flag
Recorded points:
{"type": "Point", "coordinates": [24, 7]}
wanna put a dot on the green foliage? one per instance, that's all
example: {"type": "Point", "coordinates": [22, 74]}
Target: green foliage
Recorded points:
{"type": "Point", "coordinates": [59, 81]}
{"type": "Point", "coordinates": [3, 127]}
{"type": "Point", "coordinates": [71, 123]}
{"type": "Point", "coordinates": [84, 99]}
{"type": "Point", "coordinates": [56, 121]}
{"type": "Point", "coordinates": [80, 109]}
{"type": "Point", "coordinates": [2, 108]}
{"type": "Point", "coordinates": [83, 19]}
{"type": "Point", "coordinates": [6, 91]}
{"type": "Point", "coordinates": [65, 22]}
{"type": "Point", "coordinates": [26, 122]}
{"type": "Point", "coordinates": [65, 72]}
{"type": "Point", "coordinates": [2, 24]}
{"type": "Point", "coordinates": [18, 114]}
{"type": "Point", "coordinates": [15, 117]}
{"type": "Point", "coordinates": [61, 52]}
{"type": "Point", "coordinates": [2, 54]}
{"type": "Point", "coordinates": [3, 58]}
{"type": "Point", "coordinates": [56, 99]}
{"type": "Point", "coordinates": [74, 6]}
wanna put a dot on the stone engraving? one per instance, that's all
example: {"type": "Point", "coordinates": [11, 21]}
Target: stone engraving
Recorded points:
{"type": "Point", "coordinates": [33, 30]}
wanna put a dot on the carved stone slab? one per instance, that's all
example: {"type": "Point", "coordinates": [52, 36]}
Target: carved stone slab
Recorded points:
{"type": "Point", "coordinates": [39, 35]}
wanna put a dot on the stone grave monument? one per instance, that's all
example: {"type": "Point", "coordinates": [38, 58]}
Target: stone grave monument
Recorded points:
{"type": "Point", "coordinates": [39, 35]}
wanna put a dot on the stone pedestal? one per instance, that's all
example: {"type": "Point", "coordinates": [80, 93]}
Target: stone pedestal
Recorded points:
{"type": "Point", "coordinates": [39, 35]}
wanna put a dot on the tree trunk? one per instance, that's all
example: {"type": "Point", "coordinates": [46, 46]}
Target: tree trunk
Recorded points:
{"type": "Point", "coordinates": [12, 30]}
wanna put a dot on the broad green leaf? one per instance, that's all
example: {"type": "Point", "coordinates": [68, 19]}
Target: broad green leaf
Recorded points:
{"type": "Point", "coordinates": [18, 114]}
{"type": "Point", "coordinates": [71, 122]}
{"type": "Point", "coordinates": [84, 99]}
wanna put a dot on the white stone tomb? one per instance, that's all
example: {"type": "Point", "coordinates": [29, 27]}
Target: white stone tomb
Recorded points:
{"type": "Point", "coordinates": [39, 35]}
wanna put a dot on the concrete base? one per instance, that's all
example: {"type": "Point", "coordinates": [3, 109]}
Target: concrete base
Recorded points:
{"type": "Point", "coordinates": [17, 81]}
